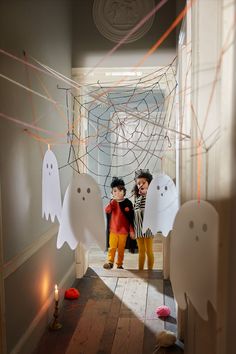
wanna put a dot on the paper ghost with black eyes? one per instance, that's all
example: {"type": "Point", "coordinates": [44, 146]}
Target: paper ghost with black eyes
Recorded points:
{"type": "Point", "coordinates": [82, 214]}
{"type": "Point", "coordinates": [161, 205]}
{"type": "Point", "coordinates": [194, 255]}
{"type": "Point", "coordinates": [51, 190]}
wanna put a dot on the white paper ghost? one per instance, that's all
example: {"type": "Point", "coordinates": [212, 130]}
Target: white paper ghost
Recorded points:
{"type": "Point", "coordinates": [51, 190]}
{"type": "Point", "coordinates": [161, 205]}
{"type": "Point", "coordinates": [194, 255]}
{"type": "Point", "coordinates": [82, 214]}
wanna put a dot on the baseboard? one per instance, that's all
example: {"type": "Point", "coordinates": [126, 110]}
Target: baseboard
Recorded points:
{"type": "Point", "coordinates": [31, 337]}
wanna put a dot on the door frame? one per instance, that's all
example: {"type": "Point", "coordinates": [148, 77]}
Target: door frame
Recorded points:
{"type": "Point", "coordinates": [107, 75]}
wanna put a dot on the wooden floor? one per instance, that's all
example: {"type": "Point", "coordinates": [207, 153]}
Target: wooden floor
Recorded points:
{"type": "Point", "coordinates": [97, 258]}
{"type": "Point", "coordinates": [115, 312]}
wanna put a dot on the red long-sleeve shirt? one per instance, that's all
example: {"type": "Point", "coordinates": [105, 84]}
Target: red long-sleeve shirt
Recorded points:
{"type": "Point", "coordinates": [119, 224]}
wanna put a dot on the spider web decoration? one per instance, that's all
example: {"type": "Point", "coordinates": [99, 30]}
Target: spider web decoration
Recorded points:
{"type": "Point", "coordinates": [124, 128]}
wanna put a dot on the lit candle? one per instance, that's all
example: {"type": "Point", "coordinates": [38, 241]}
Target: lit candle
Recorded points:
{"type": "Point", "coordinates": [56, 295]}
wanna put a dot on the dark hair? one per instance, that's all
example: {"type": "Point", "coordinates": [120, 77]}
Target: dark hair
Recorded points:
{"type": "Point", "coordinates": [119, 183]}
{"type": "Point", "coordinates": [141, 174]}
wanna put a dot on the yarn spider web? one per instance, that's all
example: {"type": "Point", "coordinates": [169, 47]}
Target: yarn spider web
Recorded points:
{"type": "Point", "coordinates": [123, 128]}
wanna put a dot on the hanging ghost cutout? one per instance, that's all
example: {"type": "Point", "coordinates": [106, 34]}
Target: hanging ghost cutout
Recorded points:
{"type": "Point", "coordinates": [51, 190]}
{"type": "Point", "coordinates": [194, 255]}
{"type": "Point", "coordinates": [82, 214]}
{"type": "Point", "coordinates": [161, 205]}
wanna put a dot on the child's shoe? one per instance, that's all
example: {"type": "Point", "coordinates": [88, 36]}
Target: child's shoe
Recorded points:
{"type": "Point", "coordinates": [108, 265]}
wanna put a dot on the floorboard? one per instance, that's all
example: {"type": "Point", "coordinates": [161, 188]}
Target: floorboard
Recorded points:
{"type": "Point", "coordinates": [115, 312]}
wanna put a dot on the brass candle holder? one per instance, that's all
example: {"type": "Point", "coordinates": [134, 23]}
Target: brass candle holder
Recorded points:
{"type": "Point", "coordinates": [55, 325]}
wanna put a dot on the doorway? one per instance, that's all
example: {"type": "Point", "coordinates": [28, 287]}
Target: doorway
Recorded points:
{"type": "Point", "coordinates": [128, 123]}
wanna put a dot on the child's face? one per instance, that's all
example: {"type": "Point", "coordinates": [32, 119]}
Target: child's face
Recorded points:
{"type": "Point", "coordinates": [118, 194]}
{"type": "Point", "coordinates": [142, 185]}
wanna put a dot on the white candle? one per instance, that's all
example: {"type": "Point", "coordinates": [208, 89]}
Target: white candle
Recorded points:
{"type": "Point", "coordinates": [56, 295]}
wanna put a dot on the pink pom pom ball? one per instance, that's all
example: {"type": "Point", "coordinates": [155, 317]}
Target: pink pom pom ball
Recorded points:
{"type": "Point", "coordinates": [163, 311]}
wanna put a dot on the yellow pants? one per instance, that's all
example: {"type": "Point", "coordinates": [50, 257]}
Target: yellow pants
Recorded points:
{"type": "Point", "coordinates": [116, 241]}
{"type": "Point", "coordinates": [145, 246]}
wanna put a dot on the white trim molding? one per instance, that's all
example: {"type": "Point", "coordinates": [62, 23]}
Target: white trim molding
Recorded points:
{"type": "Point", "coordinates": [6, 269]}
{"type": "Point", "coordinates": [27, 342]}
{"type": "Point", "coordinates": [11, 266]}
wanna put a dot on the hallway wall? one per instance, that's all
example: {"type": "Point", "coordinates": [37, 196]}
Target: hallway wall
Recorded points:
{"type": "Point", "coordinates": [30, 264]}
{"type": "Point", "coordinates": [207, 102]}
{"type": "Point", "coordinates": [89, 46]}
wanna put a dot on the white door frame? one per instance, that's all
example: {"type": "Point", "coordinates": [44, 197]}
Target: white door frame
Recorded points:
{"type": "Point", "coordinates": [116, 76]}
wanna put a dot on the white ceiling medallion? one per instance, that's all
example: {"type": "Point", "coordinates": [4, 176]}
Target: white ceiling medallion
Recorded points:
{"type": "Point", "coordinates": [115, 18]}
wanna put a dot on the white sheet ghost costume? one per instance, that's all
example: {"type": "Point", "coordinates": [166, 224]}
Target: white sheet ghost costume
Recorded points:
{"type": "Point", "coordinates": [194, 254]}
{"type": "Point", "coordinates": [161, 205]}
{"type": "Point", "coordinates": [82, 214]}
{"type": "Point", "coordinates": [51, 190]}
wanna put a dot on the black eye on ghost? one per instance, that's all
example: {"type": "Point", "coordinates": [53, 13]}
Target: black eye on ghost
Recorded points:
{"type": "Point", "coordinates": [204, 226]}
{"type": "Point", "coordinates": [88, 190]}
{"type": "Point", "coordinates": [158, 188]}
{"type": "Point", "coordinates": [191, 224]}
{"type": "Point", "coordinates": [51, 165]}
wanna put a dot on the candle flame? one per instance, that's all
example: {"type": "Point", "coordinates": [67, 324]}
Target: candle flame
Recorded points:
{"type": "Point", "coordinates": [56, 287]}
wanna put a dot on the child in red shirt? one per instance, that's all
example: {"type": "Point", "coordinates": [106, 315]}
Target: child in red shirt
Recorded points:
{"type": "Point", "coordinates": [120, 210]}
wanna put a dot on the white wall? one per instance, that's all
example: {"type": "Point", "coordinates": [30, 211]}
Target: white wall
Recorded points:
{"type": "Point", "coordinates": [30, 262]}
{"type": "Point", "coordinates": [209, 98]}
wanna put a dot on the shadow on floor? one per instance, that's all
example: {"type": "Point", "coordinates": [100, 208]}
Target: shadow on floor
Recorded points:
{"type": "Point", "coordinates": [102, 320]}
